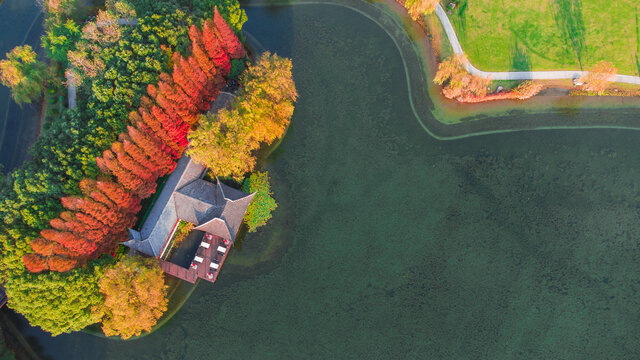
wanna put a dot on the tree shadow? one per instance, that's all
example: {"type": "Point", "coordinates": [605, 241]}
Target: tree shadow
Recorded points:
{"type": "Point", "coordinates": [568, 17]}
{"type": "Point", "coordinates": [637, 43]}
{"type": "Point", "coordinates": [520, 60]}
{"type": "Point", "coordinates": [460, 19]}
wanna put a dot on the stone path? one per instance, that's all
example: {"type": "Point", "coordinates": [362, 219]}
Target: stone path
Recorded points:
{"type": "Point", "coordinates": [513, 75]}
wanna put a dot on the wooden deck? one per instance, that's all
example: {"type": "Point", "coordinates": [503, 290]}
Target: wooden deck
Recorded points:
{"type": "Point", "coordinates": [203, 268]}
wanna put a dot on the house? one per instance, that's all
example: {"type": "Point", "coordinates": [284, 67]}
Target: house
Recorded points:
{"type": "Point", "coordinates": [215, 209]}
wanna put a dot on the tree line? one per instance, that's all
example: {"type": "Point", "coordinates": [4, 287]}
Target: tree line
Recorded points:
{"type": "Point", "coordinates": [61, 212]}
{"type": "Point", "coordinates": [96, 222]}
{"type": "Point", "coordinates": [65, 154]}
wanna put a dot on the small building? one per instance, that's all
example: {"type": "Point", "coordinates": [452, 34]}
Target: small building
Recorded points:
{"type": "Point", "coordinates": [215, 209]}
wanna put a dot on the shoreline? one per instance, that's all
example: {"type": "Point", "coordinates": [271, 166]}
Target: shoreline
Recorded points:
{"type": "Point", "coordinates": [452, 120]}
{"type": "Point", "coordinates": [513, 75]}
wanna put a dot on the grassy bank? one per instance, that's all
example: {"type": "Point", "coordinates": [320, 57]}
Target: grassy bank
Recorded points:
{"type": "Point", "coordinates": [549, 34]}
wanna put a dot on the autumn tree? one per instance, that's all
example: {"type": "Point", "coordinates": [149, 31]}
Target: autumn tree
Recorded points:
{"type": "Point", "coordinates": [527, 89]}
{"type": "Point", "coordinates": [458, 82]}
{"type": "Point", "coordinates": [418, 8]}
{"type": "Point", "coordinates": [259, 114]}
{"type": "Point", "coordinates": [598, 78]}
{"type": "Point", "coordinates": [84, 60]}
{"type": "Point", "coordinates": [220, 144]}
{"type": "Point", "coordinates": [104, 30]}
{"type": "Point", "coordinates": [135, 296]}
{"type": "Point", "coordinates": [58, 7]}
{"type": "Point", "coordinates": [61, 263]}
{"type": "Point", "coordinates": [123, 199]}
{"type": "Point", "coordinates": [35, 263]}
{"type": "Point", "coordinates": [152, 147]}
{"type": "Point", "coordinates": [263, 204]}
{"type": "Point", "coordinates": [229, 40]}
{"type": "Point", "coordinates": [215, 50]}
{"type": "Point", "coordinates": [198, 51]}
{"type": "Point", "coordinates": [268, 96]}
{"type": "Point", "coordinates": [23, 73]}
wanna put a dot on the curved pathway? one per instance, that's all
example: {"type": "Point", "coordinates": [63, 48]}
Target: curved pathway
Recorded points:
{"type": "Point", "coordinates": [513, 75]}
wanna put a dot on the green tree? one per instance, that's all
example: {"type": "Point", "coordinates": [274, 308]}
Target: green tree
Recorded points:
{"type": "Point", "coordinates": [23, 73]}
{"type": "Point", "coordinates": [59, 302]}
{"type": "Point", "coordinates": [135, 296]}
{"type": "Point", "coordinates": [263, 204]}
{"type": "Point", "coordinates": [60, 39]}
{"type": "Point", "coordinates": [231, 11]}
{"type": "Point", "coordinates": [66, 153]}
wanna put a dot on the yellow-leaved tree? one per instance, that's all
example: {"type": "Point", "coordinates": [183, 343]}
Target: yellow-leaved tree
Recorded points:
{"type": "Point", "coordinates": [458, 83]}
{"type": "Point", "coordinates": [419, 8]}
{"type": "Point", "coordinates": [260, 113]}
{"type": "Point", "coordinates": [24, 74]}
{"type": "Point", "coordinates": [135, 296]}
{"type": "Point", "coordinates": [599, 77]}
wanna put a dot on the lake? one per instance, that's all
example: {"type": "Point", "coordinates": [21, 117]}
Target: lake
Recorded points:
{"type": "Point", "coordinates": [388, 243]}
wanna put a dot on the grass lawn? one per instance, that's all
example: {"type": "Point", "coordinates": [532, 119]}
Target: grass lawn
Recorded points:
{"type": "Point", "coordinates": [506, 35]}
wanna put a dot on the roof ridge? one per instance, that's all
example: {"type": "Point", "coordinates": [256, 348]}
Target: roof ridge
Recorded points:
{"type": "Point", "coordinates": [219, 185]}
{"type": "Point", "coordinates": [226, 226]}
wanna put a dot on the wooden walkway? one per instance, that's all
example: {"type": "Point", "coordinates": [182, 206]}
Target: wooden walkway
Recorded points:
{"type": "Point", "coordinates": [201, 269]}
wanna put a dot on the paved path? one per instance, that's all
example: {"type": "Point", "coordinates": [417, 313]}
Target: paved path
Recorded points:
{"type": "Point", "coordinates": [514, 75]}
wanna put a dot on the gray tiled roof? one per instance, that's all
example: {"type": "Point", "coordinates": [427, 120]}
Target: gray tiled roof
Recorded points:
{"type": "Point", "coordinates": [214, 208]}
{"type": "Point", "coordinates": [162, 217]}
{"type": "Point", "coordinates": [216, 226]}
{"type": "Point", "coordinates": [186, 196]}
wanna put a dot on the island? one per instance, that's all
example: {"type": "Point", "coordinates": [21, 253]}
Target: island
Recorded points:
{"type": "Point", "coordinates": [142, 227]}
{"type": "Point", "coordinates": [164, 117]}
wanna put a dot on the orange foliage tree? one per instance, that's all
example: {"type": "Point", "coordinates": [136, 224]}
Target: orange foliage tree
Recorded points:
{"type": "Point", "coordinates": [135, 296]}
{"type": "Point", "coordinates": [230, 41]}
{"type": "Point", "coordinates": [598, 78]}
{"type": "Point", "coordinates": [419, 8]}
{"type": "Point", "coordinates": [458, 83]}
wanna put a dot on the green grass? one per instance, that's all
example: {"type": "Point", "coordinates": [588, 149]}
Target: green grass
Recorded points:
{"type": "Point", "coordinates": [548, 34]}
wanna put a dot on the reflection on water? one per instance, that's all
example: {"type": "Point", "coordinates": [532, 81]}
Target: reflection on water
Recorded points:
{"type": "Point", "coordinates": [20, 23]}
{"type": "Point", "coordinates": [520, 245]}
{"type": "Point", "coordinates": [183, 254]}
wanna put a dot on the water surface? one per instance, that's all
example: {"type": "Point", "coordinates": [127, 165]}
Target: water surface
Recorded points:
{"type": "Point", "coordinates": [391, 244]}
